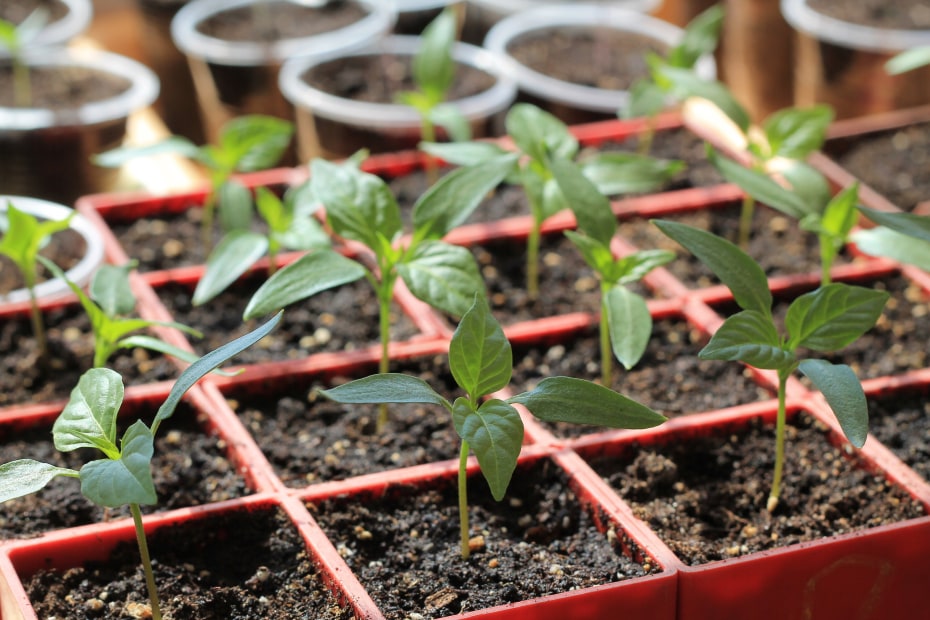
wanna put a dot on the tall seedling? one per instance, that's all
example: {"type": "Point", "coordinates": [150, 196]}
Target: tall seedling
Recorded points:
{"type": "Point", "coordinates": [16, 38]}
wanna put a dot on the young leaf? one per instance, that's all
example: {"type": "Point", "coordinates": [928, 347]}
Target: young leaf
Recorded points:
{"type": "Point", "coordinates": [634, 267]}
{"type": "Point", "coordinates": [761, 187]}
{"type": "Point", "coordinates": [450, 118]}
{"type": "Point", "coordinates": [833, 316]}
{"type": "Point", "coordinates": [795, 133]}
{"type": "Point", "coordinates": [749, 336]}
{"type": "Point", "coordinates": [685, 84]}
{"type": "Point", "coordinates": [463, 153]}
{"type": "Point", "coordinates": [444, 276]}
{"type": "Point", "coordinates": [480, 356]}
{"type": "Point", "coordinates": [881, 241]}
{"type": "Point", "coordinates": [917, 226]}
{"type": "Point", "coordinates": [89, 418]}
{"type": "Point", "coordinates": [174, 145]}
{"type": "Point", "coordinates": [646, 99]}
{"type": "Point", "coordinates": [111, 291]}
{"type": "Point", "coordinates": [595, 253]}
{"type": "Point", "coordinates": [840, 386]}
{"type": "Point", "coordinates": [127, 479]}
{"type": "Point", "coordinates": [386, 387]}
{"type": "Point", "coordinates": [495, 433]}
{"type": "Point", "coordinates": [700, 37]}
{"type": "Point", "coordinates": [433, 65]}
{"type": "Point", "coordinates": [25, 476]}
{"type": "Point", "coordinates": [630, 324]}
{"type": "Point", "coordinates": [591, 208]}
{"type": "Point", "coordinates": [254, 142]}
{"type": "Point", "coordinates": [628, 173]}
{"type": "Point", "coordinates": [567, 399]}
{"type": "Point", "coordinates": [231, 258]}
{"type": "Point", "coordinates": [539, 134]}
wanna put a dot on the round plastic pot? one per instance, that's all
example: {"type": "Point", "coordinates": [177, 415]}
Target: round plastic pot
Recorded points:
{"type": "Point", "coordinates": [576, 103]}
{"type": "Point", "coordinates": [843, 64]}
{"type": "Point", "coordinates": [333, 126]}
{"type": "Point", "coordinates": [234, 78]}
{"type": "Point", "coordinates": [45, 153]}
{"type": "Point", "coordinates": [61, 31]}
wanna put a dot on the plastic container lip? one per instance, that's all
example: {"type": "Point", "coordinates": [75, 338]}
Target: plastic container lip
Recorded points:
{"type": "Point", "coordinates": [409, 6]}
{"type": "Point", "coordinates": [142, 91]}
{"type": "Point", "coordinates": [380, 19]}
{"type": "Point", "coordinates": [59, 32]}
{"type": "Point", "coordinates": [582, 15]}
{"type": "Point", "coordinates": [392, 115]}
{"type": "Point", "coordinates": [513, 6]}
{"type": "Point", "coordinates": [845, 34]}
{"type": "Point", "coordinates": [81, 273]}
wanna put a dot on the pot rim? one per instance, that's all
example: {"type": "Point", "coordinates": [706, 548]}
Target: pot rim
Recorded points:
{"type": "Point", "coordinates": [59, 32]}
{"type": "Point", "coordinates": [143, 90]}
{"type": "Point", "coordinates": [393, 115]}
{"type": "Point", "coordinates": [81, 273]}
{"type": "Point", "coordinates": [191, 42]}
{"type": "Point", "coordinates": [584, 15]}
{"type": "Point", "coordinates": [847, 34]}
{"type": "Point", "coordinates": [508, 7]}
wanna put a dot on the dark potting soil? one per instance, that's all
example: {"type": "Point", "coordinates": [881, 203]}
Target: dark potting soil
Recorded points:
{"type": "Point", "coordinates": [277, 20]}
{"type": "Point", "coordinates": [344, 318]}
{"type": "Point", "coordinates": [309, 439]}
{"type": "Point", "coordinates": [25, 378]}
{"type": "Point", "coordinates": [901, 14]}
{"type": "Point", "coordinates": [15, 11]}
{"type": "Point", "coordinates": [62, 87]}
{"type": "Point", "coordinates": [901, 422]}
{"type": "Point", "coordinates": [379, 79]}
{"type": "Point", "coordinates": [189, 469]}
{"type": "Point", "coordinates": [64, 248]}
{"type": "Point", "coordinates": [240, 565]}
{"type": "Point", "coordinates": [705, 497]}
{"type": "Point", "coordinates": [539, 540]}
{"type": "Point", "coordinates": [614, 59]}
{"type": "Point", "coordinates": [896, 164]}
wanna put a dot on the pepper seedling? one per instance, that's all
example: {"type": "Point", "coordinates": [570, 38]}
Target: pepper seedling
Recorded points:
{"type": "Point", "coordinates": [824, 320]}
{"type": "Point", "coordinates": [110, 300]}
{"type": "Point", "coordinates": [124, 475]}
{"type": "Point", "coordinates": [481, 361]}
{"type": "Point", "coordinates": [15, 38]}
{"type": "Point", "coordinates": [360, 207]}
{"type": "Point", "coordinates": [246, 144]}
{"type": "Point", "coordinates": [904, 237]}
{"type": "Point", "coordinates": [25, 235]}
{"type": "Point", "coordinates": [553, 181]}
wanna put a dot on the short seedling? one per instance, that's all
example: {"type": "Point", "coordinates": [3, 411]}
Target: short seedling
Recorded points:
{"type": "Point", "coordinates": [360, 207]}
{"type": "Point", "coordinates": [481, 361]}
{"type": "Point", "coordinates": [15, 38]}
{"type": "Point", "coordinates": [25, 235]}
{"type": "Point", "coordinates": [124, 475]}
{"type": "Point", "coordinates": [246, 144]}
{"type": "Point", "coordinates": [553, 181]}
{"type": "Point", "coordinates": [824, 320]}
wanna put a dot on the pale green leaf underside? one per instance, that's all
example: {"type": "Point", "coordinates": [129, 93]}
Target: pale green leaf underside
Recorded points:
{"type": "Point", "coordinates": [495, 435]}
{"type": "Point", "coordinates": [843, 392]}
{"type": "Point", "coordinates": [231, 258]}
{"type": "Point", "coordinates": [386, 388]}
{"type": "Point", "coordinates": [25, 476]}
{"type": "Point", "coordinates": [89, 418]}
{"type": "Point", "coordinates": [630, 324]}
{"type": "Point", "coordinates": [444, 276]}
{"type": "Point", "coordinates": [126, 480]}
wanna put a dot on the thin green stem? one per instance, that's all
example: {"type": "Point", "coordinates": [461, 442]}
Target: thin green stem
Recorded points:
{"type": "Point", "coordinates": [385, 292]}
{"type": "Point", "coordinates": [779, 442]}
{"type": "Point", "coordinates": [38, 325]}
{"type": "Point", "coordinates": [647, 136]}
{"type": "Point", "coordinates": [532, 261]}
{"type": "Point", "coordinates": [607, 357]}
{"type": "Point", "coordinates": [463, 499]}
{"type": "Point", "coordinates": [272, 257]}
{"type": "Point", "coordinates": [206, 224]}
{"type": "Point", "coordinates": [146, 561]}
{"type": "Point", "coordinates": [745, 221]}
{"type": "Point", "coordinates": [428, 132]}
{"type": "Point", "coordinates": [22, 84]}
{"type": "Point", "coordinates": [827, 254]}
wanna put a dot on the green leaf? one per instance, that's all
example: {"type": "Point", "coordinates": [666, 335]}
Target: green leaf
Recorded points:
{"type": "Point", "coordinates": [196, 371]}
{"type": "Point", "coordinates": [833, 316]}
{"type": "Point", "coordinates": [24, 237]}
{"type": "Point", "coordinates": [685, 83]}
{"type": "Point", "coordinates": [160, 346]}
{"type": "Point", "coordinates": [700, 37]}
{"type": "Point", "coordinates": [126, 480]}
{"type": "Point", "coordinates": [844, 394]}
{"type": "Point", "coordinates": [634, 267]}
{"type": "Point", "coordinates": [453, 198]}
{"type": "Point", "coordinates": [881, 241]}
{"type": "Point", "coordinates": [742, 275]}
{"type": "Point", "coordinates": [273, 210]}
{"type": "Point", "coordinates": [450, 118]}
{"type": "Point", "coordinates": [591, 208]}
{"type": "Point", "coordinates": [595, 253]}
{"type": "Point", "coordinates": [749, 336]}
{"type": "Point", "coordinates": [917, 226]}
{"type": "Point", "coordinates": [232, 257]}
{"type": "Point", "coordinates": [111, 291]}
{"type": "Point", "coordinates": [463, 153]}
{"type": "Point", "coordinates": [761, 187]}
{"type": "Point", "coordinates": [25, 476]}
{"type": "Point", "coordinates": [795, 133]}
{"type": "Point", "coordinates": [480, 356]}
{"type": "Point", "coordinates": [235, 206]}
{"type": "Point", "coordinates": [433, 67]}
{"type": "Point", "coordinates": [840, 215]}
{"type": "Point", "coordinates": [629, 324]}
{"type": "Point", "coordinates": [567, 399]}
{"type": "Point", "coordinates": [646, 99]}
{"type": "Point", "coordinates": [627, 173]}
{"type": "Point", "coordinates": [809, 184]}
{"type": "Point", "coordinates": [908, 60]}
{"type": "Point", "coordinates": [254, 142]}
{"type": "Point", "coordinates": [174, 145]}
{"type": "Point", "coordinates": [303, 278]}
{"type": "Point", "coordinates": [443, 275]}
{"type": "Point", "coordinates": [386, 387]}
{"type": "Point", "coordinates": [539, 134]}
{"type": "Point", "coordinates": [495, 434]}
{"type": "Point", "coordinates": [89, 418]}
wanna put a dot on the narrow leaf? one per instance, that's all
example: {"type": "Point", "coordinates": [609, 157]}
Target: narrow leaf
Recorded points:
{"type": "Point", "coordinates": [463, 153]}
{"type": "Point", "coordinates": [450, 118]}
{"type": "Point", "coordinates": [495, 434]}
{"type": "Point", "coordinates": [443, 275]}
{"type": "Point", "coordinates": [748, 336]}
{"type": "Point", "coordinates": [235, 206]}
{"type": "Point", "coordinates": [908, 60]}
{"type": "Point", "coordinates": [634, 267]}
{"type": "Point", "coordinates": [591, 208]}
{"type": "Point", "coordinates": [917, 226]}
{"type": "Point", "coordinates": [595, 253]}
{"type": "Point", "coordinates": [630, 324]}
{"type": "Point", "coordinates": [761, 187]}
{"type": "Point", "coordinates": [795, 133]}
{"type": "Point", "coordinates": [844, 394]}
{"type": "Point", "coordinates": [89, 418]}
{"type": "Point", "coordinates": [881, 241]}
{"type": "Point", "coordinates": [25, 476]}
{"type": "Point", "coordinates": [480, 356]}
{"type": "Point", "coordinates": [386, 388]}
{"type": "Point", "coordinates": [627, 173]}
{"type": "Point", "coordinates": [175, 145]}
{"type": "Point", "coordinates": [539, 134]}
{"type": "Point", "coordinates": [126, 480]}
{"type": "Point", "coordinates": [833, 316]}
{"type": "Point", "coordinates": [111, 291]}
{"type": "Point", "coordinates": [232, 257]}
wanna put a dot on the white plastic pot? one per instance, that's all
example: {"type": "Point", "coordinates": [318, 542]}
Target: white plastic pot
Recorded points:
{"type": "Point", "coordinates": [61, 31]}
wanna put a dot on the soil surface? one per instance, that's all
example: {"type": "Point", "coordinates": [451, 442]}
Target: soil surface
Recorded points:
{"type": "Point", "coordinates": [62, 87]}
{"type": "Point", "coordinates": [902, 423]}
{"type": "Point", "coordinates": [64, 248]}
{"type": "Point", "coordinates": [705, 497]}
{"type": "Point", "coordinates": [615, 58]}
{"type": "Point", "coordinates": [241, 566]}
{"type": "Point", "coordinates": [189, 468]}
{"type": "Point", "coordinates": [900, 14]}
{"type": "Point", "coordinates": [404, 546]}
{"type": "Point", "coordinates": [277, 20]}
{"type": "Point", "coordinates": [16, 11]}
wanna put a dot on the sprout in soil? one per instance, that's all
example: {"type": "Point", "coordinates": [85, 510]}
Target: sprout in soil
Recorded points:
{"type": "Point", "coordinates": [553, 181]}
{"type": "Point", "coordinates": [481, 361]}
{"type": "Point", "coordinates": [246, 144]}
{"type": "Point", "coordinates": [124, 475]}
{"type": "Point", "coordinates": [24, 236]}
{"type": "Point", "coordinates": [15, 38]}
{"type": "Point", "coordinates": [824, 320]}
{"type": "Point", "coordinates": [360, 208]}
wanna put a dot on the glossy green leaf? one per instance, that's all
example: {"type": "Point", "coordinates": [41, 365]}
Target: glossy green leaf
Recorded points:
{"type": "Point", "coordinates": [174, 145]}
{"type": "Point", "coordinates": [795, 133]}
{"type": "Point", "coordinates": [742, 275]}
{"type": "Point", "coordinates": [495, 434]}
{"type": "Point", "coordinates": [25, 476]}
{"type": "Point", "coordinates": [304, 233]}
{"type": "Point", "coordinates": [463, 153]}
{"type": "Point", "coordinates": [24, 237]}
{"type": "Point", "coordinates": [89, 418]}
{"type": "Point", "coordinates": [700, 37]}
{"type": "Point", "coordinates": [433, 66]}
{"type": "Point", "coordinates": [591, 208]}
{"type": "Point", "coordinates": [127, 479]}
{"type": "Point", "coordinates": [595, 253]}
{"type": "Point", "coordinates": [111, 291]}
{"type": "Point", "coordinates": [646, 99]}
{"type": "Point", "coordinates": [761, 187]}
{"type": "Point", "coordinates": [833, 316]}
{"type": "Point", "coordinates": [567, 399]}
{"type": "Point", "coordinates": [386, 388]}
{"type": "Point", "coordinates": [685, 83]}
{"type": "Point", "coordinates": [254, 142]}
{"type": "Point", "coordinates": [450, 118]}
{"type": "Point", "coordinates": [303, 278]}
{"type": "Point", "coordinates": [840, 215]}
{"type": "Point", "coordinates": [843, 392]}
{"type": "Point", "coordinates": [273, 210]}
{"type": "Point", "coordinates": [480, 356]}
{"type": "Point", "coordinates": [917, 226]}
{"type": "Point", "coordinates": [629, 324]}
{"type": "Point", "coordinates": [628, 173]}
{"type": "Point", "coordinates": [634, 267]}
{"type": "Point", "coordinates": [810, 185]}
{"type": "Point", "coordinates": [539, 134]}
{"type": "Point", "coordinates": [881, 241]}
{"type": "Point", "coordinates": [235, 206]}
{"type": "Point", "coordinates": [443, 275]}
{"type": "Point", "coordinates": [749, 336]}
{"type": "Point", "coordinates": [232, 257]}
